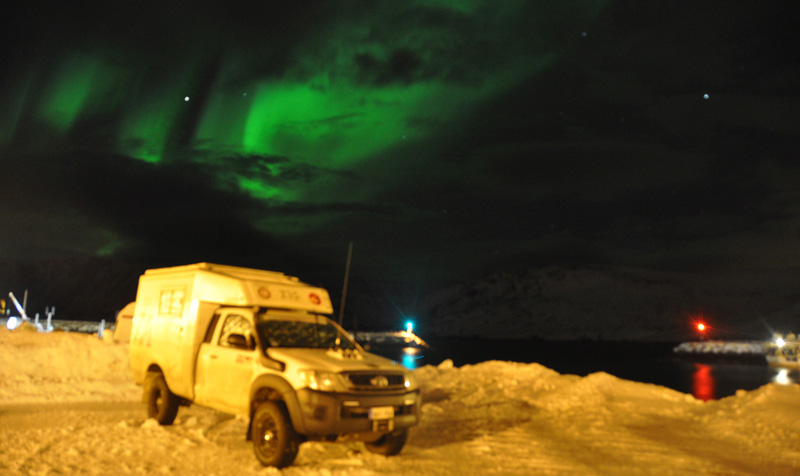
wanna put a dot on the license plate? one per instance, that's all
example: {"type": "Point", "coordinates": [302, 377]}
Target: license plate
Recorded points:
{"type": "Point", "coordinates": [381, 413]}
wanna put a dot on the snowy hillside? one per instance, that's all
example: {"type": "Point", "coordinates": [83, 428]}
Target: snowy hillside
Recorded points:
{"type": "Point", "coordinates": [614, 305]}
{"type": "Point", "coordinates": [67, 406]}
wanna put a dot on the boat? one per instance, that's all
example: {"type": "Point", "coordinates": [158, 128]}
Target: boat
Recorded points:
{"type": "Point", "coordinates": [390, 338]}
{"type": "Point", "coordinates": [783, 351]}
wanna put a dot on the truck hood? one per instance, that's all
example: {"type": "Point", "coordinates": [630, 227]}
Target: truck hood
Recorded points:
{"type": "Point", "coordinates": [331, 360]}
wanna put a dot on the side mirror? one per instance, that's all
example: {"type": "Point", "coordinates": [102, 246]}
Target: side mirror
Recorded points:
{"type": "Point", "coordinates": [238, 340]}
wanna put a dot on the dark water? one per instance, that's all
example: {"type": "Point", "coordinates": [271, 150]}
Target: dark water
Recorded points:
{"type": "Point", "coordinates": [641, 362]}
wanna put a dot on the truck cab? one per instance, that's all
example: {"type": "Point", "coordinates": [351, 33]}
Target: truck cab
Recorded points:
{"type": "Point", "coordinates": [261, 344]}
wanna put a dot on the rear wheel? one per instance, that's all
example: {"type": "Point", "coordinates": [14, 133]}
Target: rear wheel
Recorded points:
{"type": "Point", "coordinates": [275, 442]}
{"type": "Point", "coordinates": [162, 404]}
{"type": "Point", "coordinates": [389, 444]}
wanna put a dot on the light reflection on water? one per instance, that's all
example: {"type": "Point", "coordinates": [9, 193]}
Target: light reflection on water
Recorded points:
{"type": "Point", "coordinates": [637, 362]}
{"type": "Point", "coordinates": [410, 357]}
{"type": "Point", "coordinates": [703, 384]}
{"type": "Point", "coordinates": [712, 381]}
{"type": "Point", "coordinates": [786, 376]}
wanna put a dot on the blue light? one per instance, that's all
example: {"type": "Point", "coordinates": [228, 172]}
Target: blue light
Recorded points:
{"type": "Point", "coordinates": [410, 357]}
{"type": "Point", "coordinates": [409, 362]}
{"type": "Point", "coordinates": [409, 326]}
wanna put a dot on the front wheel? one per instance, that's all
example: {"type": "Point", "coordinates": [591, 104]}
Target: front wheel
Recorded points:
{"type": "Point", "coordinates": [162, 404]}
{"type": "Point", "coordinates": [275, 442]}
{"type": "Point", "coordinates": [389, 444]}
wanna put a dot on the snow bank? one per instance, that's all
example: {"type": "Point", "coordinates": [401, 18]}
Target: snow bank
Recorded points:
{"type": "Point", "coordinates": [62, 367]}
{"type": "Point", "coordinates": [67, 406]}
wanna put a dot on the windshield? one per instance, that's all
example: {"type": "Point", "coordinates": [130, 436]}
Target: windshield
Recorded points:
{"type": "Point", "coordinates": [316, 333]}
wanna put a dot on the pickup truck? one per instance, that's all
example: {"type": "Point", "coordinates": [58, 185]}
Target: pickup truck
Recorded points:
{"type": "Point", "coordinates": [260, 344]}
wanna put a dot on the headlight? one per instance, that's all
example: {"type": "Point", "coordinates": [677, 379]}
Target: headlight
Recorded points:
{"type": "Point", "coordinates": [410, 381]}
{"type": "Point", "coordinates": [323, 381]}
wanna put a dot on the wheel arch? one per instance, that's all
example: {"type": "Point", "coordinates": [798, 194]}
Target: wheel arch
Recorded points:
{"type": "Point", "coordinates": [276, 389]}
{"type": "Point", "coordinates": [149, 373]}
{"type": "Point", "coordinates": [154, 367]}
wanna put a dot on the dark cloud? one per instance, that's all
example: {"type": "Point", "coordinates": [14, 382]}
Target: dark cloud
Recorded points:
{"type": "Point", "coordinates": [328, 208]}
{"type": "Point", "coordinates": [168, 213]}
{"type": "Point", "coordinates": [267, 169]}
{"type": "Point", "coordinates": [402, 66]}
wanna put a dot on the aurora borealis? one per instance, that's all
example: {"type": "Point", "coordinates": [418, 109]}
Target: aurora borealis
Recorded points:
{"type": "Point", "coordinates": [442, 138]}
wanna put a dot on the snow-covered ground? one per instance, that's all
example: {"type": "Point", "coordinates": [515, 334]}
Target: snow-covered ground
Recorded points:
{"type": "Point", "coordinates": [68, 406]}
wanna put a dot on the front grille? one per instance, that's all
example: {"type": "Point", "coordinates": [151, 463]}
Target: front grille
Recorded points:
{"type": "Point", "coordinates": [375, 381]}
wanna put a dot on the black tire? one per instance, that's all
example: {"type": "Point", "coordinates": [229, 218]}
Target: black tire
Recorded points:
{"type": "Point", "coordinates": [275, 442]}
{"type": "Point", "coordinates": [389, 444]}
{"type": "Point", "coordinates": [162, 404]}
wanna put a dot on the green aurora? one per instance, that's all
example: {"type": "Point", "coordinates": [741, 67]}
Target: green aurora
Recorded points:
{"type": "Point", "coordinates": [358, 90]}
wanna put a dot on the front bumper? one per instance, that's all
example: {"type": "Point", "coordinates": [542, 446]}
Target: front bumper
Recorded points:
{"type": "Point", "coordinates": [326, 414]}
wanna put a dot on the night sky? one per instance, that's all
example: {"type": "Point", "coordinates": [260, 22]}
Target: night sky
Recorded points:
{"type": "Point", "coordinates": [444, 139]}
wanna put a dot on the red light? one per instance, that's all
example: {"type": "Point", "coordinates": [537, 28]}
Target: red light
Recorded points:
{"type": "Point", "coordinates": [701, 327]}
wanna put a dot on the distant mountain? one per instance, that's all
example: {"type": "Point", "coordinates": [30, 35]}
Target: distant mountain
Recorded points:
{"type": "Point", "coordinates": [625, 304]}
{"type": "Point", "coordinates": [542, 303]}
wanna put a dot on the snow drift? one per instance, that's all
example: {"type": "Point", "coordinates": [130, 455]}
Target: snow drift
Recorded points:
{"type": "Point", "coordinates": [68, 406]}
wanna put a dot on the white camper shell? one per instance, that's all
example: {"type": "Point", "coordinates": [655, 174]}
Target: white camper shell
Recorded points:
{"type": "Point", "coordinates": [259, 344]}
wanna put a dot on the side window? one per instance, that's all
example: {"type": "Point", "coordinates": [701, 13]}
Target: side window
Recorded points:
{"type": "Point", "coordinates": [235, 325]}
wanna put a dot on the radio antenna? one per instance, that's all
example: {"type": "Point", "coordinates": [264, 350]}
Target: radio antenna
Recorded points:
{"type": "Point", "coordinates": [346, 279]}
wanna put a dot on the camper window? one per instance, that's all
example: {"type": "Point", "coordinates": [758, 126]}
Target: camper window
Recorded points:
{"type": "Point", "coordinates": [171, 302]}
